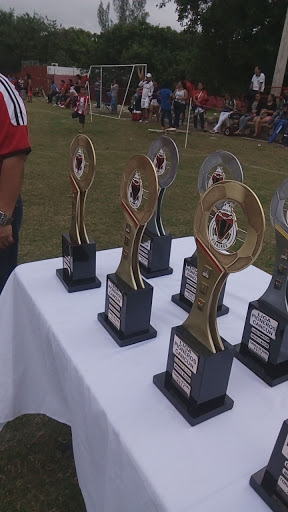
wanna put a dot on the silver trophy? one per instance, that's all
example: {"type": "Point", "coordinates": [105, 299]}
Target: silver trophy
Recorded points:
{"type": "Point", "coordinates": [154, 251]}
{"type": "Point", "coordinates": [218, 166]}
{"type": "Point", "coordinates": [264, 345]}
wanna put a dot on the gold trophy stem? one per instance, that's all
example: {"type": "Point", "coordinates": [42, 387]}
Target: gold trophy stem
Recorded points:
{"type": "Point", "coordinates": [202, 318]}
{"type": "Point", "coordinates": [82, 228]}
{"type": "Point", "coordinates": [74, 231]}
{"type": "Point", "coordinates": [128, 269]}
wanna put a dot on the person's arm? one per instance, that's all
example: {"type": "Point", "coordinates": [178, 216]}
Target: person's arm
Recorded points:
{"type": "Point", "coordinates": [11, 179]}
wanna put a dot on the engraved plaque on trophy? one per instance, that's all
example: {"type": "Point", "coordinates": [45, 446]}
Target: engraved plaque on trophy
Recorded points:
{"type": "Point", "coordinates": [218, 166]}
{"type": "Point", "coordinates": [271, 482]}
{"type": "Point", "coordinates": [155, 247]}
{"type": "Point", "coordinates": [128, 297]}
{"type": "Point", "coordinates": [199, 360]}
{"type": "Point", "coordinates": [264, 345]}
{"type": "Point", "coordinates": [79, 251]}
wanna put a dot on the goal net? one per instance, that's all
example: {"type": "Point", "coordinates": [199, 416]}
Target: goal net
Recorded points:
{"type": "Point", "coordinates": [100, 78]}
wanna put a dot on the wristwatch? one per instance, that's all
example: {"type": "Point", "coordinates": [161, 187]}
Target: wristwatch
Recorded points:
{"type": "Point", "coordinates": [4, 219]}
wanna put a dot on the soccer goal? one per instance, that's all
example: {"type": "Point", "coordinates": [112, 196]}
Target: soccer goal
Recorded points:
{"type": "Point", "coordinates": [100, 78]}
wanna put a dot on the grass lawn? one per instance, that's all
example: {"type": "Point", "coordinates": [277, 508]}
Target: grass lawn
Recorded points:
{"type": "Point", "coordinates": [36, 475]}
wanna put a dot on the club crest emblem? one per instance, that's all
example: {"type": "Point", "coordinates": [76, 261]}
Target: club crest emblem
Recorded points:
{"type": "Point", "coordinates": [223, 228]}
{"type": "Point", "coordinates": [160, 162]}
{"type": "Point", "coordinates": [79, 163]}
{"type": "Point", "coordinates": [217, 175]}
{"type": "Point", "coordinates": [135, 191]}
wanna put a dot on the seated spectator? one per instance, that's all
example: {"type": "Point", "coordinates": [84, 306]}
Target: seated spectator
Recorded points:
{"type": "Point", "coordinates": [250, 116]}
{"type": "Point", "coordinates": [228, 106]}
{"type": "Point", "coordinates": [60, 97]}
{"type": "Point", "coordinates": [280, 125]}
{"type": "Point", "coordinates": [265, 114]}
{"type": "Point", "coordinates": [180, 96]}
{"type": "Point", "coordinates": [279, 111]}
{"type": "Point", "coordinates": [199, 101]}
{"type": "Point", "coordinates": [53, 92]}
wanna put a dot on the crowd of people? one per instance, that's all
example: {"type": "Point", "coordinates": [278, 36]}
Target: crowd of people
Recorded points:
{"type": "Point", "coordinates": [22, 85]}
{"type": "Point", "coordinates": [254, 111]}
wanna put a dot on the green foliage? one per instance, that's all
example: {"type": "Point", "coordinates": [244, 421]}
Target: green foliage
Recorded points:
{"type": "Point", "coordinates": [103, 15]}
{"type": "Point", "coordinates": [165, 50]}
{"type": "Point", "coordinates": [233, 37]}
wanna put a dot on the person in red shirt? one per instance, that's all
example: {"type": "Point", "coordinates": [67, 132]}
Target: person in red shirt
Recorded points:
{"type": "Point", "coordinates": [81, 107]}
{"type": "Point", "coordinates": [14, 148]}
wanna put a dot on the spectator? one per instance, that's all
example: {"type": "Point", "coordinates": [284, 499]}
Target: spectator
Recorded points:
{"type": "Point", "coordinates": [78, 83]}
{"type": "Point", "coordinates": [166, 96]}
{"type": "Point", "coordinates": [250, 116]}
{"type": "Point", "coordinates": [81, 107]}
{"type": "Point", "coordinates": [278, 112]}
{"type": "Point", "coordinates": [14, 148]}
{"type": "Point", "coordinates": [53, 91]}
{"type": "Point", "coordinates": [60, 97]}
{"type": "Point", "coordinates": [199, 101]}
{"type": "Point", "coordinates": [155, 105]}
{"type": "Point", "coordinates": [180, 96]}
{"type": "Point", "coordinates": [280, 125]}
{"type": "Point", "coordinates": [28, 87]}
{"type": "Point", "coordinates": [257, 84]}
{"type": "Point", "coordinates": [265, 114]}
{"type": "Point", "coordinates": [228, 106]}
{"type": "Point", "coordinates": [97, 87]}
{"type": "Point", "coordinates": [147, 91]}
{"type": "Point", "coordinates": [114, 96]}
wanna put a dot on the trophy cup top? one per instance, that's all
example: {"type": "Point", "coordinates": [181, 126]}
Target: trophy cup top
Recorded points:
{"type": "Point", "coordinates": [82, 162]}
{"type": "Point", "coordinates": [139, 189]}
{"type": "Point", "coordinates": [208, 177]}
{"type": "Point", "coordinates": [277, 207]}
{"type": "Point", "coordinates": [166, 171]}
{"type": "Point", "coordinates": [219, 234]}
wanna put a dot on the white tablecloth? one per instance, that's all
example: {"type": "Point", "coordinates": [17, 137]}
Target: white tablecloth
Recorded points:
{"type": "Point", "coordinates": [133, 451]}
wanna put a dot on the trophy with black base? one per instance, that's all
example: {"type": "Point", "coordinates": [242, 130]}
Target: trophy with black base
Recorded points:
{"type": "Point", "coordinates": [211, 172]}
{"type": "Point", "coordinates": [155, 247]}
{"type": "Point", "coordinates": [129, 298]}
{"type": "Point", "coordinates": [264, 345]}
{"type": "Point", "coordinates": [79, 251]}
{"type": "Point", "coordinates": [271, 482]}
{"type": "Point", "coordinates": [199, 360]}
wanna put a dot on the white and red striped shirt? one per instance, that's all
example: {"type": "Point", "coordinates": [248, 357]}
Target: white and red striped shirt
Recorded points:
{"type": "Point", "coordinates": [13, 121]}
{"type": "Point", "coordinates": [82, 104]}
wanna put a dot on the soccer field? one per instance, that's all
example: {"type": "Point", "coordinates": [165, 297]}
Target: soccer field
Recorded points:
{"type": "Point", "coordinates": [36, 473]}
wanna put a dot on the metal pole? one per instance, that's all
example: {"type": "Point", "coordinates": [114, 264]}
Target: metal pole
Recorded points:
{"type": "Point", "coordinates": [101, 85]}
{"type": "Point", "coordinates": [188, 122]}
{"type": "Point", "coordinates": [281, 62]}
{"type": "Point", "coordinates": [126, 92]}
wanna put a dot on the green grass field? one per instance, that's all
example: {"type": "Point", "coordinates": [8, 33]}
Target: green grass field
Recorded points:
{"type": "Point", "coordinates": [35, 474]}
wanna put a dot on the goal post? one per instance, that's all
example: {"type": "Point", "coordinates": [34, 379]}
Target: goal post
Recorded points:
{"type": "Point", "coordinates": [105, 74]}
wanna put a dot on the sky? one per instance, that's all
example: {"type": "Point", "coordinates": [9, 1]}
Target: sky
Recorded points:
{"type": "Point", "coordinates": [83, 13]}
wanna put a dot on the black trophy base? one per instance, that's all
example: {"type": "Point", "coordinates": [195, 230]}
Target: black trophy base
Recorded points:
{"type": "Point", "coordinates": [154, 255]}
{"type": "Point", "coordinates": [186, 305]}
{"type": "Point", "coordinates": [271, 374]}
{"type": "Point", "coordinates": [156, 273]}
{"type": "Point", "coordinates": [199, 413]}
{"type": "Point", "coordinates": [79, 285]}
{"type": "Point", "coordinates": [120, 339]}
{"type": "Point", "coordinates": [273, 502]}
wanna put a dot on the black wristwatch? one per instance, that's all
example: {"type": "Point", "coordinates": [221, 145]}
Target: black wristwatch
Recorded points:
{"type": "Point", "coordinates": [4, 219]}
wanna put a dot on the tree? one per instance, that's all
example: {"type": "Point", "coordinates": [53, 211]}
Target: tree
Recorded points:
{"type": "Point", "coordinates": [103, 15]}
{"type": "Point", "coordinates": [138, 10]}
{"type": "Point", "coordinates": [122, 9]}
{"type": "Point", "coordinates": [233, 37]}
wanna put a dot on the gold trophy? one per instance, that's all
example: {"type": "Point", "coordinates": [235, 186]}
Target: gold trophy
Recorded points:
{"type": "Point", "coordinates": [79, 252]}
{"type": "Point", "coordinates": [199, 360]}
{"type": "Point", "coordinates": [128, 296]}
